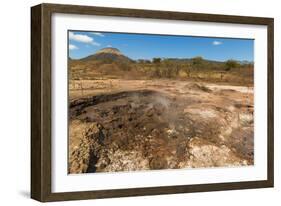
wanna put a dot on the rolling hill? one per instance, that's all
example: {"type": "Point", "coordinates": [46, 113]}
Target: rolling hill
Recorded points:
{"type": "Point", "coordinates": [108, 55]}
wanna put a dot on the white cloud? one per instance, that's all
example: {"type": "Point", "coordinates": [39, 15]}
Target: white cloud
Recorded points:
{"type": "Point", "coordinates": [217, 43]}
{"type": "Point", "coordinates": [109, 45]}
{"type": "Point", "coordinates": [72, 47]}
{"type": "Point", "coordinates": [95, 43]}
{"type": "Point", "coordinates": [97, 34]}
{"type": "Point", "coordinates": [83, 38]}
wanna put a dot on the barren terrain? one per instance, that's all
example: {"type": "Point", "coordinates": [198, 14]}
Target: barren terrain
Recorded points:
{"type": "Point", "coordinates": [128, 125]}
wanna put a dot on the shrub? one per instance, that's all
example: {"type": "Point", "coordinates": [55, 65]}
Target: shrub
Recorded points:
{"type": "Point", "coordinates": [197, 60]}
{"type": "Point", "coordinates": [156, 60]}
{"type": "Point", "coordinates": [231, 64]}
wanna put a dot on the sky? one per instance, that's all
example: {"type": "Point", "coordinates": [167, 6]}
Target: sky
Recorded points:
{"type": "Point", "coordinates": [148, 46]}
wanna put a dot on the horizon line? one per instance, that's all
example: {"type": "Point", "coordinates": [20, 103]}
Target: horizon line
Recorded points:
{"type": "Point", "coordinates": [134, 59]}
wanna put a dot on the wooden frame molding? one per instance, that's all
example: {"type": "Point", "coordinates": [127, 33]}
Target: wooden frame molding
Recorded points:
{"type": "Point", "coordinates": [41, 101]}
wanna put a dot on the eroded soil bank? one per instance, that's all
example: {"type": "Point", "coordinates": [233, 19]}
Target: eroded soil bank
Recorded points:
{"type": "Point", "coordinates": [145, 125]}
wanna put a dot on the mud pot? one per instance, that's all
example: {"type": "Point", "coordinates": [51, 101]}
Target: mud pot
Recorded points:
{"type": "Point", "coordinates": [160, 125]}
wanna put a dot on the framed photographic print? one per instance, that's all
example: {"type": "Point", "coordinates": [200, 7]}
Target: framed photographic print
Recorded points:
{"type": "Point", "coordinates": [132, 102]}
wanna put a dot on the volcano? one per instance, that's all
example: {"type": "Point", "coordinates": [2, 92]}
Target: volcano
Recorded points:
{"type": "Point", "coordinates": [105, 62]}
{"type": "Point", "coordinates": [108, 55]}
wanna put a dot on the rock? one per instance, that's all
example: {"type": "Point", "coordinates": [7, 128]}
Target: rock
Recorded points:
{"type": "Point", "coordinates": [207, 154]}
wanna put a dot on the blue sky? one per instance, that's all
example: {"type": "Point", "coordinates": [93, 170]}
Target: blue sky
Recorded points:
{"type": "Point", "coordinates": [147, 46]}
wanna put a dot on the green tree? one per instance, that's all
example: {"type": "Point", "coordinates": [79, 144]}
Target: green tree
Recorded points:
{"type": "Point", "coordinates": [231, 64]}
{"type": "Point", "coordinates": [197, 60]}
{"type": "Point", "coordinates": [156, 60]}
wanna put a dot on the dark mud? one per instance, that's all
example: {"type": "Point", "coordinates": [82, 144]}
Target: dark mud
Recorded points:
{"type": "Point", "coordinates": [147, 129]}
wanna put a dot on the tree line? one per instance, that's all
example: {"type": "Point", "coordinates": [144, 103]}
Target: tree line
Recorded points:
{"type": "Point", "coordinates": [169, 68]}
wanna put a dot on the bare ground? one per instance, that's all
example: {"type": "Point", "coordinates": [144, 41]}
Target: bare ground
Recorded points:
{"type": "Point", "coordinates": [128, 125]}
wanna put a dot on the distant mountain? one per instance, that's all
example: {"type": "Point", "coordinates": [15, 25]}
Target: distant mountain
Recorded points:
{"type": "Point", "coordinates": [105, 62]}
{"type": "Point", "coordinates": [189, 60]}
{"type": "Point", "coordinates": [245, 62]}
{"type": "Point", "coordinates": [108, 55]}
